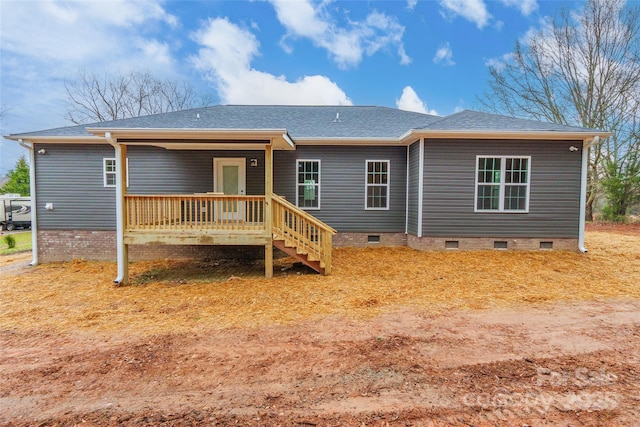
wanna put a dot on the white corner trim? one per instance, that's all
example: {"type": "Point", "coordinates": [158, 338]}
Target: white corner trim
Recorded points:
{"type": "Point", "coordinates": [34, 201]}
{"type": "Point", "coordinates": [420, 186]}
{"type": "Point", "coordinates": [406, 196]}
{"type": "Point", "coordinates": [583, 190]}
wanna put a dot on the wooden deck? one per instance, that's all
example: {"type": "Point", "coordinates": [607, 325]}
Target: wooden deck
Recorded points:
{"type": "Point", "coordinates": [195, 220]}
{"type": "Point", "coordinates": [213, 219]}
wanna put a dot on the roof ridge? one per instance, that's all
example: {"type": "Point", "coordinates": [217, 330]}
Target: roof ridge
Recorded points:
{"type": "Point", "coordinates": [301, 106]}
{"type": "Point", "coordinates": [439, 119]}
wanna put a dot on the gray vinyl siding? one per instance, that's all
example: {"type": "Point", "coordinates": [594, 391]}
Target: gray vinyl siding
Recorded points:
{"type": "Point", "coordinates": [342, 185]}
{"type": "Point", "coordinates": [414, 173]}
{"type": "Point", "coordinates": [449, 190]}
{"type": "Point", "coordinates": [158, 171]}
{"type": "Point", "coordinates": [70, 177]}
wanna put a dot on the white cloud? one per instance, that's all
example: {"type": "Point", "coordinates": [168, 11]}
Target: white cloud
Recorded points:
{"type": "Point", "coordinates": [500, 62]}
{"type": "Point", "coordinates": [409, 101]}
{"type": "Point", "coordinates": [44, 43]}
{"type": "Point", "coordinates": [76, 33]}
{"type": "Point", "coordinates": [346, 46]}
{"type": "Point", "coordinates": [411, 4]}
{"type": "Point", "coordinates": [526, 7]}
{"type": "Point", "coordinates": [225, 57]}
{"type": "Point", "coordinates": [471, 10]}
{"type": "Point", "coordinates": [161, 52]}
{"type": "Point", "coordinates": [444, 55]}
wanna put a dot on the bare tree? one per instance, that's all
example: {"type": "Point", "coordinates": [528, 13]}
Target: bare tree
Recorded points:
{"type": "Point", "coordinates": [95, 98]}
{"type": "Point", "coordinates": [581, 68]}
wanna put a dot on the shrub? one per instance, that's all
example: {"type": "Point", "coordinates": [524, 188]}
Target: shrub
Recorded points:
{"type": "Point", "coordinates": [10, 241]}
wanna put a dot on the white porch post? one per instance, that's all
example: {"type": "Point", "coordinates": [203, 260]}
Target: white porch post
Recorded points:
{"type": "Point", "coordinates": [268, 212]}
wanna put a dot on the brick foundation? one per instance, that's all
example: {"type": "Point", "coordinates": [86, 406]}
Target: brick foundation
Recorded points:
{"type": "Point", "coordinates": [483, 243]}
{"type": "Point", "coordinates": [65, 245]}
{"type": "Point", "coordinates": [361, 240]}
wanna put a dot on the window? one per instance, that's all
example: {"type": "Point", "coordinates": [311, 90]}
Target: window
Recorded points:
{"type": "Point", "coordinates": [109, 172]}
{"type": "Point", "coordinates": [377, 184]}
{"type": "Point", "coordinates": [502, 184]}
{"type": "Point", "coordinates": [308, 184]}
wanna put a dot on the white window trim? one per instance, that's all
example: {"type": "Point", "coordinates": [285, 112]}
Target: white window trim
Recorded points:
{"type": "Point", "coordinates": [502, 185]}
{"type": "Point", "coordinates": [366, 183]}
{"type": "Point", "coordinates": [318, 185]}
{"type": "Point", "coordinates": [104, 172]}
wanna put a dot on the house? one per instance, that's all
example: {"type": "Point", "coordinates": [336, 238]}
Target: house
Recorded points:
{"type": "Point", "coordinates": [305, 179]}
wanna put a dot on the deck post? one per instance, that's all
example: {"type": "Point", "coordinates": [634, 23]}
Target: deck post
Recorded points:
{"type": "Point", "coordinates": [268, 210]}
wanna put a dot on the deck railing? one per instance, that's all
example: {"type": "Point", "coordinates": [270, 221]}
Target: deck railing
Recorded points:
{"type": "Point", "coordinates": [303, 231]}
{"type": "Point", "coordinates": [194, 212]}
{"type": "Point", "coordinates": [235, 215]}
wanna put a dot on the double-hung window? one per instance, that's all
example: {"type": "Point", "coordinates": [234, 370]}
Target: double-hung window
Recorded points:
{"type": "Point", "coordinates": [308, 184]}
{"type": "Point", "coordinates": [377, 185]}
{"type": "Point", "coordinates": [109, 172]}
{"type": "Point", "coordinates": [502, 184]}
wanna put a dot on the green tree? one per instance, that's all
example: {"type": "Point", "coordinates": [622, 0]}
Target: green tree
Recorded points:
{"type": "Point", "coordinates": [622, 188]}
{"type": "Point", "coordinates": [18, 179]}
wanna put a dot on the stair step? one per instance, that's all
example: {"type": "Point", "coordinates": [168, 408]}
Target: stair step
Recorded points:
{"type": "Point", "coordinates": [295, 253]}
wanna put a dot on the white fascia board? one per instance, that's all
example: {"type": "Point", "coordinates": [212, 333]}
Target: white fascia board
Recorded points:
{"type": "Point", "coordinates": [475, 134]}
{"type": "Point", "coordinates": [39, 139]}
{"type": "Point", "coordinates": [348, 141]}
{"type": "Point", "coordinates": [284, 141]}
{"type": "Point", "coordinates": [414, 135]}
{"type": "Point", "coordinates": [231, 134]}
{"type": "Point", "coordinates": [202, 146]}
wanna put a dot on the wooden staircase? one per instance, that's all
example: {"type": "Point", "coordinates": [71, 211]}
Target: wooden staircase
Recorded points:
{"type": "Point", "coordinates": [302, 236]}
{"type": "Point", "coordinates": [300, 256]}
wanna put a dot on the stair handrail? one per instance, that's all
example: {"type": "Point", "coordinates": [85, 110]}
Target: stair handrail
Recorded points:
{"type": "Point", "coordinates": [307, 216]}
{"type": "Point", "coordinates": [282, 228]}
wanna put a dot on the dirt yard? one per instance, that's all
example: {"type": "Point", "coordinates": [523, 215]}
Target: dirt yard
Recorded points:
{"type": "Point", "coordinates": [452, 339]}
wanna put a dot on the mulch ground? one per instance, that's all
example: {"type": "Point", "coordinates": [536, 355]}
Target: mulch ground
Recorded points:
{"type": "Point", "coordinates": [173, 296]}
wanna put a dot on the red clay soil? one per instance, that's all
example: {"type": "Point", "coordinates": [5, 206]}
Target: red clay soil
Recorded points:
{"type": "Point", "coordinates": [561, 364]}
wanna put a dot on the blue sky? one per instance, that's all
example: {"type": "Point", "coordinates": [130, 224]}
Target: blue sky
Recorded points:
{"type": "Point", "coordinates": [424, 55]}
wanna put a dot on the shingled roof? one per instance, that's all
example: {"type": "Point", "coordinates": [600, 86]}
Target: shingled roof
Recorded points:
{"type": "Point", "coordinates": [474, 120]}
{"type": "Point", "coordinates": [304, 122]}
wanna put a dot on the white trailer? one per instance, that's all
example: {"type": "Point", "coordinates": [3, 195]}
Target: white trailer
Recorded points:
{"type": "Point", "coordinates": [15, 212]}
